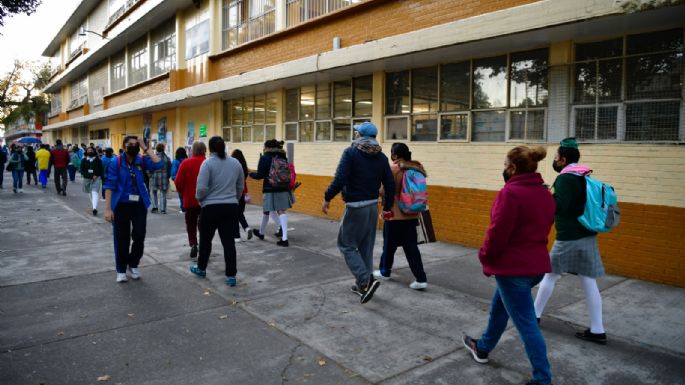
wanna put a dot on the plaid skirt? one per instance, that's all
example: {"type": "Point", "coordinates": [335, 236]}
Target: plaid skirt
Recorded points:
{"type": "Point", "coordinates": [90, 185]}
{"type": "Point", "coordinates": [274, 201]}
{"type": "Point", "coordinates": [580, 256]}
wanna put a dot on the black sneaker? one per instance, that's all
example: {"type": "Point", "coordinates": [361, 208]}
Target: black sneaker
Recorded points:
{"type": "Point", "coordinates": [472, 345]}
{"type": "Point", "coordinates": [193, 252]}
{"type": "Point", "coordinates": [283, 243]}
{"type": "Point", "coordinates": [356, 290]}
{"type": "Point", "coordinates": [367, 292]}
{"type": "Point", "coordinates": [258, 234]}
{"type": "Point", "coordinates": [598, 338]}
{"type": "Point", "coordinates": [279, 233]}
{"type": "Point", "coordinates": [64, 193]}
{"type": "Point", "coordinates": [531, 382]}
{"type": "Point", "coordinates": [95, 212]}
{"type": "Point", "coordinates": [153, 211]}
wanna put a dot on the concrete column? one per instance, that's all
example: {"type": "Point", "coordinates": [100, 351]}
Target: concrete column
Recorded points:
{"type": "Point", "coordinates": [180, 40]}
{"type": "Point", "coordinates": [280, 114]}
{"type": "Point", "coordinates": [214, 26]}
{"type": "Point", "coordinates": [281, 15]}
{"type": "Point", "coordinates": [377, 111]}
{"type": "Point", "coordinates": [559, 102]}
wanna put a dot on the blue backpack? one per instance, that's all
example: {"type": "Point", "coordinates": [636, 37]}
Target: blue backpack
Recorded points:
{"type": "Point", "coordinates": [601, 206]}
{"type": "Point", "coordinates": [413, 197]}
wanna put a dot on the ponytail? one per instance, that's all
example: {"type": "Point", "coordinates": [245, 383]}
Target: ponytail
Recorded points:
{"type": "Point", "coordinates": [217, 145]}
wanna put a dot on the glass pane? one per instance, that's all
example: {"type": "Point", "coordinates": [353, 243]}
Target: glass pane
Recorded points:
{"type": "Point", "coordinates": [323, 131]}
{"type": "Point", "coordinates": [424, 128]}
{"type": "Point", "coordinates": [271, 102]}
{"type": "Point", "coordinates": [270, 132]}
{"type": "Point", "coordinates": [247, 133]}
{"type": "Point", "coordinates": [306, 131]}
{"type": "Point", "coordinates": [258, 133]}
{"type": "Point", "coordinates": [599, 49]}
{"type": "Point", "coordinates": [585, 123]}
{"type": "Point", "coordinates": [528, 85]}
{"type": "Point", "coordinates": [396, 129]}
{"type": "Point", "coordinates": [606, 123]}
{"type": "Point", "coordinates": [291, 131]}
{"type": "Point", "coordinates": [397, 93]}
{"type": "Point", "coordinates": [598, 81]}
{"type": "Point", "coordinates": [654, 76]}
{"type": "Point", "coordinates": [226, 118]}
{"type": "Point", "coordinates": [652, 121]}
{"type": "Point", "coordinates": [517, 131]}
{"type": "Point", "coordinates": [323, 101]}
{"type": "Point", "coordinates": [363, 90]}
{"type": "Point", "coordinates": [259, 108]}
{"type": "Point", "coordinates": [489, 82]}
{"type": "Point", "coordinates": [342, 98]}
{"type": "Point", "coordinates": [248, 111]}
{"type": "Point", "coordinates": [342, 130]}
{"type": "Point", "coordinates": [237, 112]}
{"type": "Point", "coordinates": [527, 125]}
{"type": "Point", "coordinates": [236, 134]}
{"type": "Point", "coordinates": [226, 134]}
{"type": "Point", "coordinates": [488, 126]}
{"type": "Point", "coordinates": [307, 103]}
{"type": "Point", "coordinates": [455, 86]}
{"type": "Point", "coordinates": [292, 105]}
{"type": "Point", "coordinates": [656, 41]}
{"type": "Point", "coordinates": [454, 127]}
{"type": "Point", "coordinates": [424, 88]}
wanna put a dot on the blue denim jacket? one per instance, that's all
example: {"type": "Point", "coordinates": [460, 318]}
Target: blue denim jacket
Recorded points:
{"type": "Point", "coordinates": [119, 179]}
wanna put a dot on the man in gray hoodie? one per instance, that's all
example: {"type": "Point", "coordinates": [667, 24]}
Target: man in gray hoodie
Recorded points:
{"type": "Point", "coordinates": [362, 169]}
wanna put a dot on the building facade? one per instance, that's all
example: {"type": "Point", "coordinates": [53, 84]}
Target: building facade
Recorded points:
{"type": "Point", "coordinates": [461, 82]}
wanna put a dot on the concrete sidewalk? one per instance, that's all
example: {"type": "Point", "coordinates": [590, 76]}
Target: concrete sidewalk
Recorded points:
{"type": "Point", "coordinates": [291, 319]}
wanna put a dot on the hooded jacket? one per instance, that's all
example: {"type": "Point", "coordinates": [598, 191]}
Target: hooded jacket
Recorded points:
{"type": "Point", "coordinates": [264, 167]}
{"type": "Point", "coordinates": [361, 171]}
{"type": "Point", "coordinates": [521, 218]}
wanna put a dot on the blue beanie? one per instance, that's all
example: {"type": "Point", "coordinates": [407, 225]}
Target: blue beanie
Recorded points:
{"type": "Point", "coordinates": [366, 129]}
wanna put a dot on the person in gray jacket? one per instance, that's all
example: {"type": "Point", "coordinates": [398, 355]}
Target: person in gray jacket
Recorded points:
{"type": "Point", "coordinates": [220, 184]}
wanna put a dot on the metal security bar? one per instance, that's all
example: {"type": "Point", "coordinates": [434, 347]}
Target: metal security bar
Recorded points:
{"type": "Point", "coordinates": [299, 11]}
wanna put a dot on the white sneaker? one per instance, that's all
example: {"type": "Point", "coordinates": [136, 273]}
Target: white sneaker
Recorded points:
{"type": "Point", "coordinates": [418, 285]}
{"type": "Point", "coordinates": [135, 273]}
{"type": "Point", "coordinates": [121, 277]}
{"type": "Point", "coordinates": [21, 191]}
{"type": "Point", "coordinates": [377, 274]}
{"type": "Point", "coordinates": [237, 240]}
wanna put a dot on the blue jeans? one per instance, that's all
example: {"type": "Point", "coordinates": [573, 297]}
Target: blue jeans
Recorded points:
{"type": "Point", "coordinates": [356, 237]}
{"type": "Point", "coordinates": [17, 176]}
{"type": "Point", "coordinates": [72, 172]}
{"type": "Point", "coordinates": [396, 234]}
{"type": "Point", "coordinates": [513, 299]}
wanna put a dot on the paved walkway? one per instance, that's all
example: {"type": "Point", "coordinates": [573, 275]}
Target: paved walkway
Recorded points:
{"type": "Point", "coordinates": [291, 319]}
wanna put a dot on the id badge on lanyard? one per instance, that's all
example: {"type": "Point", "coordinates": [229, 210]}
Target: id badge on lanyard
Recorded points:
{"type": "Point", "coordinates": [132, 197]}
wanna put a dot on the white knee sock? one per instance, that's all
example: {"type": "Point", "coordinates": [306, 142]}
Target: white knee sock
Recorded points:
{"type": "Point", "coordinates": [94, 197]}
{"type": "Point", "coordinates": [284, 225]}
{"type": "Point", "coordinates": [265, 221]}
{"type": "Point", "coordinates": [274, 217]}
{"type": "Point", "coordinates": [545, 292]}
{"type": "Point", "coordinates": [594, 303]}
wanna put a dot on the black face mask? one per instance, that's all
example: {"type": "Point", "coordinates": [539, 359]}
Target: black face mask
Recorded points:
{"type": "Point", "coordinates": [133, 150]}
{"type": "Point", "coordinates": [505, 176]}
{"type": "Point", "coordinates": [556, 166]}
{"type": "Point", "coordinates": [91, 154]}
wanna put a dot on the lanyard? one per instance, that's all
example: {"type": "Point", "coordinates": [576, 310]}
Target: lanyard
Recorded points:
{"type": "Point", "coordinates": [134, 185]}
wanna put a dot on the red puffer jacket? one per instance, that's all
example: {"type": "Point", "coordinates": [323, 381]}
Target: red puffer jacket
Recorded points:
{"type": "Point", "coordinates": [521, 218]}
{"type": "Point", "coordinates": [186, 180]}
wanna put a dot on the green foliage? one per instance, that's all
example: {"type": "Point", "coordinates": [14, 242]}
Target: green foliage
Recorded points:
{"type": "Point", "coordinates": [13, 7]}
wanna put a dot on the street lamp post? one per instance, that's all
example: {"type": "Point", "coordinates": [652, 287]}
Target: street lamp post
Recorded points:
{"type": "Point", "coordinates": [83, 33]}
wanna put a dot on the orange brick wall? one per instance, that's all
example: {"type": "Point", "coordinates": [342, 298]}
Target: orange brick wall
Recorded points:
{"type": "Point", "coordinates": [647, 244]}
{"type": "Point", "coordinates": [373, 21]}
{"type": "Point", "coordinates": [75, 113]}
{"type": "Point", "coordinates": [142, 91]}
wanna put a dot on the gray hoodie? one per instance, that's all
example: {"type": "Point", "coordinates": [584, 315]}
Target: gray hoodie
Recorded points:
{"type": "Point", "coordinates": [220, 181]}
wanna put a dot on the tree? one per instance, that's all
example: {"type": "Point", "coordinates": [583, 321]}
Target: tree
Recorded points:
{"type": "Point", "coordinates": [20, 91]}
{"type": "Point", "coordinates": [12, 7]}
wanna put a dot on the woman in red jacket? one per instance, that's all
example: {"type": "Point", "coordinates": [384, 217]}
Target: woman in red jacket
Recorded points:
{"type": "Point", "coordinates": [515, 252]}
{"type": "Point", "coordinates": [186, 184]}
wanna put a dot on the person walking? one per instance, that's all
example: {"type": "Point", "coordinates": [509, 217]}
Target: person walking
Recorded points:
{"type": "Point", "coordinates": [74, 162]}
{"type": "Point", "coordinates": [18, 161]}
{"type": "Point", "coordinates": [106, 159]}
{"type": "Point", "coordinates": [4, 157]}
{"type": "Point", "coordinates": [30, 166]}
{"type": "Point", "coordinates": [186, 184]}
{"type": "Point", "coordinates": [219, 187]}
{"type": "Point", "coordinates": [362, 169]}
{"type": "Point", "coordinates": [92, 173]}
{"type": "Point", "coordinates": [59, 158]}
{"type": "Point", "coordinates": [275, 198]}
{"type": "Point", "coordinates": [242, 221]}
{"type": "Point", "coordinates": [400, 230]}
{"type": "Point", "coordinates": [43, 160]}
{"type": "Point", "coordinates": [126, 203]}
{"type": "Point", "coordinates": [575, 248]}
{"type": "Point", "coordinates": [159, 182]}
{"type": "Point", "coordinates": [515, 252]}
{"type": "Point", "coordinates": [179, 157]}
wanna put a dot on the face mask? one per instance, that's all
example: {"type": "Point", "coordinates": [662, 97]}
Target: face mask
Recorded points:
{"type": "Point", "coordinates": [91, 155]}
{"type": "Point", "coordinates": [505, 176]}
{"type": "Point", "coordinates": [556, 166]}
{"type": "Point", "coordinates": [133, 150]}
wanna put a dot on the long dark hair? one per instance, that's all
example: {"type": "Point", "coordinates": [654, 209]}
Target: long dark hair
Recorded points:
{"type": "Point", "coordinates": [401, 150]}
{"type": "Point", "coordinates": [217, 145]}
{"type": "Point", "coordinates": [241, 158]}
{"type": "Point", "coordinates": [181, 153]}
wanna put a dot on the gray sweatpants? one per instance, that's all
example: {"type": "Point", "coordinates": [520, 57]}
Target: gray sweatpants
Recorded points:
{"type": "Point", "coordinates": [356, 239]}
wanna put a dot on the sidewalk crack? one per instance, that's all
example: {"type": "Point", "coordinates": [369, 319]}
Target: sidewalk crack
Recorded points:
{"type": "Point", "coordinates": [319, 306]}
{"type": "Point", "coordinates": [284, 379]}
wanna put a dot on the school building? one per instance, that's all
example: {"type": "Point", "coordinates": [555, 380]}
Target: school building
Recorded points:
{"type": "Point", "coordinates": [461, 82]}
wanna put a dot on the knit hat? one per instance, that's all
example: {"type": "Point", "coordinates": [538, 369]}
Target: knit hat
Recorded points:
{"type": "Point", "coordinates": [366, 129]}
{"type": "Point", "coordinates": [569, 143]}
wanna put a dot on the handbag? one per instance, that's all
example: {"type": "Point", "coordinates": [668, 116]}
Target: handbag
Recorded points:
{"type": "Point", "coordinates": [10, 166]}
{"type": "Point", "coordinates": [424, 229]}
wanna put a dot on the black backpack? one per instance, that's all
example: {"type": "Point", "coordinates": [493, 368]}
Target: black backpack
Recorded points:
{"type": "Point", "coordinates": [3, 157]}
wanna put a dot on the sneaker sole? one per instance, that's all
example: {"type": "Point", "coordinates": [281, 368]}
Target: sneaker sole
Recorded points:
{"type": "Point", "coordinates": [599, 342]}
{"type": "Point", "coordinates": [473, 353]}
{"type": "Point", "coordinates": [369, 293]}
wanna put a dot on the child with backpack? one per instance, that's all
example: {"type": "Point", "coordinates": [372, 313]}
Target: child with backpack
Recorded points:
{"type": "Point", "coordinates": [400, 229]}
{"type": "Point", "coordinates": [275, 170]}
{"type": "Point", "coordinates": [575, 249]}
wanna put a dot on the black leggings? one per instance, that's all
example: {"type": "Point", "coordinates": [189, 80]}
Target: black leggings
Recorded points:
{"type": "Point", "coordinates": [224, 218]}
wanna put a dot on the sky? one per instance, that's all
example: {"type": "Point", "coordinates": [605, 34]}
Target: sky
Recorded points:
{"type": "Point", "coordinates": [25, 37]}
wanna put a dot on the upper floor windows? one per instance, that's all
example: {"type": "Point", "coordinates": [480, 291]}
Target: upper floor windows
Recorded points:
{"type": "Point", "coordinates": [246, 20]}
{"type": "Point", "coordinates": [137, 61]}
{"type": "Point", "coordinates": [78, 92]}
{"type": "Point", "coordinates": [299, 11]}
{"type": "Point", "coordinates": [197, 39]}
{"type": "Point", "coordinates": [163, 48]}
{"type": "Point", "coordinates": [117, 72]}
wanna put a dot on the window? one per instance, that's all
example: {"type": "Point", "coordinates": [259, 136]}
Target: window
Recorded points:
{"type": "Point", "coordinates": [363, 95]}
{"type": "Point", "coordinates": [397, 93]}
{"type": "Point", "coordinates": [163, 48]}
{"type": "Point", "coordinates": [455, 87]}
{"type": "Point", "coordinates": [528, 84]}
{"type": "Point", "coordinates": [197, 39]}
{"type": "Point", "coordinates": [244, 21]}
{"type": "Point", "coordinates": [299, 11]}
{"type": "Point", "coordinates": [250, 119]}
{"type": "Point", "coordinates": [629, 88]}
{"type": "Point", "coordinates": [137, 61]}
{"type": "Point", "coordinates": [77, 41]}
{"type": "Point", "coordinates": [117, 74]}
{"type": "Point", "coordinates": [342, 104]}
{"type": "Point", "coordinates": [78, 92]}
